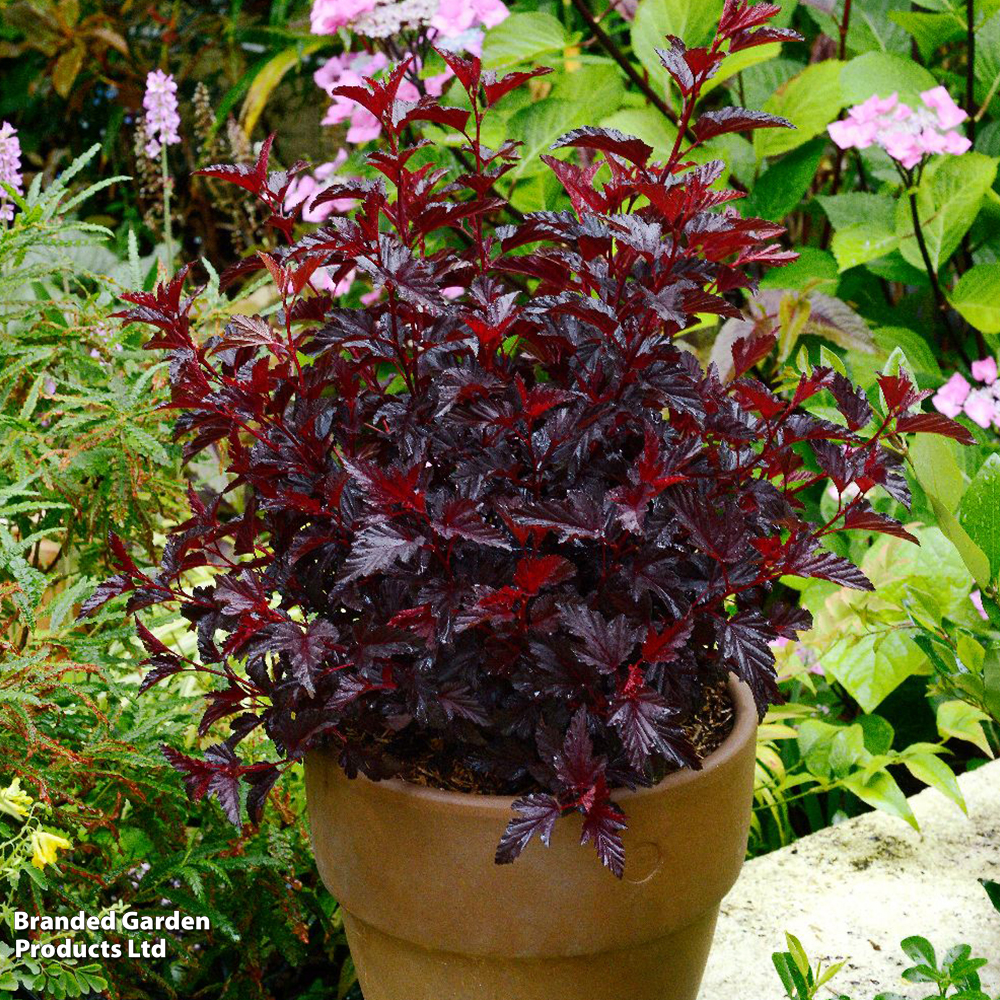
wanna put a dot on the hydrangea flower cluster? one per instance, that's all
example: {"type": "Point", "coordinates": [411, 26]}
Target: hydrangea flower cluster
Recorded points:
{"type": "Point", "coordinates": [328, 16]}
{"type": "Point", "coordinates": [10, 168]}
{"type": "Point", "coordinates": [908, 135]}
{"type": "Point", "coordinates": [981, 404]}
{"type": "Point", "coordinates": [382, 18]}
{"type": "Point", "coordinates": [456, 25]}
{"type": "Point", "coordinates": [162, 118]}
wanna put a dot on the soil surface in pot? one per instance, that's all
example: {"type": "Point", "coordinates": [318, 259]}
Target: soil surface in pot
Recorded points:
{"type": "Point", "coordinates": [437, 764]}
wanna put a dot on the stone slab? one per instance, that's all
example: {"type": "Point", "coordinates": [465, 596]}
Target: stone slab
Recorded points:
{"type": "Point", "coordinates": [853, 891]}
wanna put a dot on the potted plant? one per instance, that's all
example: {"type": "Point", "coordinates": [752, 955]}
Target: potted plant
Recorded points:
{"type": "Point", "coordinates": [504, 565]}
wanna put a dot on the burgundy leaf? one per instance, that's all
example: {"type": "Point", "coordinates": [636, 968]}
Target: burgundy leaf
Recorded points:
{"type": "Point", "coordinates": [307, 647]}
{"type": "Point", "coordinates": [726, 120]}
{"type": "Point", "coordinates": [115, 586]}
{"type": "Point", "coordinates": [899, 391]}
{"type": "Point", "coordinates": [602, 826]}
{"type": "Point", "coordinates": [496, 89]}
{"type": "Point", "coordinates": [763, 36]}
{"type": "Point", "coordinates": [644, 721]}
{"type": "Point", "coordinates": [745, 646]}
{"type": "Point", "coordinates": [851, 401]}
{"type": "Point", "coordinates": [261, 782]}
{"type": "Point", "coordinates": [788, 620]}
{"type": "Point", "coordinates": [458, 700]}
{"type": "Point", "coordinates": [675, 63]}
{"type": "Point", "coordinates": [750, 351]}
{"type": "Point", "coordinates": [160, 668]}
{"type": "Point", "coordinates": [607, 140]}
{"type": "Point", "coordinates": [934, 423]}
{"type": "Point", "coordinates": [604, 644]}
{"type": "Point", "coordinates": [460, 519]}
{"type": "Point", "coordinates": [535, 572]}
{"type": "Point", "coordinates": [859, 519]}
{"type": "Point", "coordinates": [806, 559]}
{"type": "Point", "coordinates": [577, 767]}
{"type": "Point", "coordinates": [377, 548]}
{"type": "Point", "coordinates": [536, 815]}
{"type": "Point", "coordinates": [664, 646]}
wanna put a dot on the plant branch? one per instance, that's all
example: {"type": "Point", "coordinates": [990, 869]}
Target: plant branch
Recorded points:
{"type": "Point", "coordinates": [970, 72]}
{"type": "Point", "coordinates": [167, 224]}
{"type": "Point", "coordinates": [611, 47]}
{"type": "Point", "coordinates": [940, 301]}
{"type": "Point", "coordinates": [845, 24]}
{"type": "Point", "coordinates": [918, 231]}
{"type": "Point", "coordinates": [838, 163]}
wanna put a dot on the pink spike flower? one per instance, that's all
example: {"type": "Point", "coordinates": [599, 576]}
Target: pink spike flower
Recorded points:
{"type": "Point", "coordinates": [10, 168]}
{"type": "Point", "coordinates": [162, 118]}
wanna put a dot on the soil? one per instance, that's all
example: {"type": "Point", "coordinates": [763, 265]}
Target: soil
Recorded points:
{"type": "Point", "coordinates": [434, 765]}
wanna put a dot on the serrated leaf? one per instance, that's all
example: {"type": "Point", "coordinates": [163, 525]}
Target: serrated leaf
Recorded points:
{"type": "Point", "coordinates": [977, 297]}
{"type": "Point", "coordinates": [810, 101]}
{"type": "Point", "coordinates": [948, 200]}
{"type": "Point", "coordinates": [524, 37]}
{"type": "Point", "coordinates": [979, 514]}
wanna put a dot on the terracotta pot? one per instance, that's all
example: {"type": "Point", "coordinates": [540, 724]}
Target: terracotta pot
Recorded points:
{"type": "Point", "coordinates": [429, 916]}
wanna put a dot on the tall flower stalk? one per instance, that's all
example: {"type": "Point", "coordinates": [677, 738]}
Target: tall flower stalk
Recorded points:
{"type": "Point", "coordinates": [10, 168]}
{"type": "Point", "coordinates": [162, 123]}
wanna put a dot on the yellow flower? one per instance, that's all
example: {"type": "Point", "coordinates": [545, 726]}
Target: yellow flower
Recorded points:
{"type": "Point", "coordinates": [46, 847]}
{"type": "Point", "coordinates": [13, 801]}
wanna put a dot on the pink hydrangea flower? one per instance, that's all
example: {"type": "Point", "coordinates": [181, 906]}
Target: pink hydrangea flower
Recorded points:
{"type": "Point", "coordinates": [950, 115]}
{"type": "Point", "coordinates": [908, 135]}
{"type": "Point", "coordinates": [162, 119]}
{"type": "Point", "coordinates": [455, 17]}
{"type": "Point", "coordinates": [985, 370]}
{"type": "Point", "coordinates": [981, 408]}
{"type": "Point", "coordinates": [950, 398]}
{"type": "Point", "coordinates": [328, 16]}
{"type": "Point", "coordinates": [981, 403]}
{"type": "Point", "coordinates": [10, 168]}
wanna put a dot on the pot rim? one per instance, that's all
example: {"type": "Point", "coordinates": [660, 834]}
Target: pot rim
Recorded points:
{"type": "Point", "coordinates": [743, 730]}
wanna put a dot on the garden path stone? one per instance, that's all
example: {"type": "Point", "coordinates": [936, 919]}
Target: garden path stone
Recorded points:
{"type": "Point", "coordinates": [854, 891]}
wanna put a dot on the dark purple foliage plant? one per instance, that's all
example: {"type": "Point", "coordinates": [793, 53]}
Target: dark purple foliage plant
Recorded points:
{"type": "Point", "coordinates": [517, 523]}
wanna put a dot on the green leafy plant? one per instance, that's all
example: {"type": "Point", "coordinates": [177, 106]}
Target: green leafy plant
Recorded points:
{"type": "Point", "coordinates": [90, 819]}
{"type": "Point", "coordinates": [955, 976]}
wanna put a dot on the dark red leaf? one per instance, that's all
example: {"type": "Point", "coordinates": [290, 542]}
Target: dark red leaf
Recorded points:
{"type": "Point", "coordinates": [934, 423]}
{"type": "Point", "coordinates": [115, 586]}
{"type": "Point", "coordinates": [858, 519]}
{"type": "Point", "coordinates": [602, 826]}
{"type": "Point", "coordinates": [745, 646]}
{"type": "Point", "coordinates": [536, 815]}
{"type": "Point", "coordinates": [607, 140]}
{"type": "Point", "coordinates": [535, 572]}
{"type": "Point", "coordinates": [805, 558]}
{"type": "Point", "coordinates": [726, 120]}
{"type": "Point", "coordinates": [750, 351]}
{"type": "Point", "coordinates": [604, 644]}
{"type": "Point", "coordinates": [496, 89]}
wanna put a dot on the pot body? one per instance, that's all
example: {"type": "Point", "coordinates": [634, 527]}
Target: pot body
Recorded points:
{"type": "Point", "coordinates": [429, 916]}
